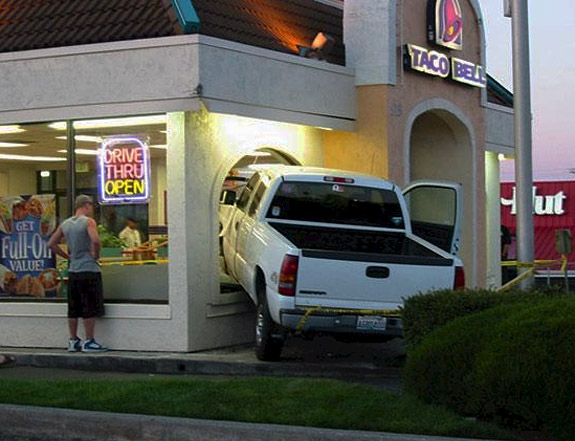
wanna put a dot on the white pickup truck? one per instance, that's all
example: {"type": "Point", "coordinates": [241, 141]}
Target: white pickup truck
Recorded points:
{"type": "Point", "coordinates": [328, 251]}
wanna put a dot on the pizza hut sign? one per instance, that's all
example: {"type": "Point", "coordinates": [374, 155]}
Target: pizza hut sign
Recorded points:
{"type": "Point", "coordinates": [548, 205]}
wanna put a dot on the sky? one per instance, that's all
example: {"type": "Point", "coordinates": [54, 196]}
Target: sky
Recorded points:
{"type": "Point", "coordinates": [552, 56]}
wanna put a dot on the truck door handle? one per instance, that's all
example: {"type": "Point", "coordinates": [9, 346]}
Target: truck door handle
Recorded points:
{"type": "Point", "coordinates": [377, 272]}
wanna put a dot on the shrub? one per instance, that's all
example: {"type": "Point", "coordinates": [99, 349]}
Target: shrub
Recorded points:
{"type": "Point", "coordinates": [423, 313]}
{"type": "Point", "coordinates": [526, 374]}
{"type": "Point", "coordinates": [511, 363]}
{"type": "Point", "coordinates": [440, 369]}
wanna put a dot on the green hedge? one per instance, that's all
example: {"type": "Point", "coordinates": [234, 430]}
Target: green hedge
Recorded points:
{"type": "Point", "coordinates": [512, 363]}
{"type": "Point", "coordinates": [423, 313]}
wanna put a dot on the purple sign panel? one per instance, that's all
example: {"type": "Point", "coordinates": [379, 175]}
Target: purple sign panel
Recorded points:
{"type": "Point", "coordinates": [27, 265]}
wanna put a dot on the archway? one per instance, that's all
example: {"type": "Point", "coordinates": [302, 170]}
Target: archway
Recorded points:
{"type": "Point", "coordinates": [232, 186]}
{"type": "Point", "coordinates": [441, 147]}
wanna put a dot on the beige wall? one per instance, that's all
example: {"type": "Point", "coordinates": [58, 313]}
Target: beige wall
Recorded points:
{"type": "Point", "coordinates": [386, 144]}
{"type": "Point", "coordinates": [366, 149]}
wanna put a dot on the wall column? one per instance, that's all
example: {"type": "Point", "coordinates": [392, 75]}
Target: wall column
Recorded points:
{"type": "Point", "coordinates": [493, 219]}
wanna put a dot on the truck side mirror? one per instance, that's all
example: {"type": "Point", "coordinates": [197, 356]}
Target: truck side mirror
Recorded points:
{"type": "Point", "coordinates": [228, 197]}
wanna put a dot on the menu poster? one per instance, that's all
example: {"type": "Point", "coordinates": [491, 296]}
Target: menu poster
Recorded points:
{"type": "Point", "coordinates": [27, 265]}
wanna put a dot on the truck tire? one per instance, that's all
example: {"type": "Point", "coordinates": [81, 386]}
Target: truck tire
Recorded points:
{"type": "Point", "coordinates": [269, 338]}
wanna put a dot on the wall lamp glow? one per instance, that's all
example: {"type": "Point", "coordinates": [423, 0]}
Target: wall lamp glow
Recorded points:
{"type": "Point", "coordinates": [11, 129]}
{"type": "Point", "coordinates": [31, 158]}
{"type": "Point", "coordinates": [321, 46]}
{"type": "Point", "coordinates": [112, 122]}
{"type": "Point", "coordinates": [12, 144]}
{"type": "Point", "coordinates": [82, 152]}
{"type": "Point", "coordinates": [83, 138]}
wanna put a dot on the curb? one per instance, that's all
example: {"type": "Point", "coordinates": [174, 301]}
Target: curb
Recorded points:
{"type": "Point", "coordinates": [49, 424]}
{"type": "Point", "coordinates": [175, 364]}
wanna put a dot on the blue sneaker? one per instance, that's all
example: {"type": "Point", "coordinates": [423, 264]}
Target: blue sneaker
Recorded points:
{"type": "Point", "coordinates": [93, 346]}
{"type": "Point", "coordinates": [75, 345]}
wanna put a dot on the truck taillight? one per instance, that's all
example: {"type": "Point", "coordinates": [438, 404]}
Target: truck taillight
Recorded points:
{"type": "Point", "coordinates": [459, 282]}
{"type": "Point", "coordinates": [338, 180]}
{"type": "Point", "coordinates": [288, 275]}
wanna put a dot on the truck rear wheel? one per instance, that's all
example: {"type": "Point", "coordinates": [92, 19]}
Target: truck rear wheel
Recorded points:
{"type": "Point", "coordinates": [269, 337]}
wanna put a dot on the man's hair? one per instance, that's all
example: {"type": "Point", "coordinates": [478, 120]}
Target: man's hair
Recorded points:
{"type": "Point", "coordinates": [82, 200]}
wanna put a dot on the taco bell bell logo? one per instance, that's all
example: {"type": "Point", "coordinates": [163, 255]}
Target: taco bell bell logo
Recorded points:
{"type": "Point", "coordinates": [445, 23]}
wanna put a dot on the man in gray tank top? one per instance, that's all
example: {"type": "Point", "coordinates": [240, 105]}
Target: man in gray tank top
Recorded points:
{"type": "Point", "coordinates": [85, 298]}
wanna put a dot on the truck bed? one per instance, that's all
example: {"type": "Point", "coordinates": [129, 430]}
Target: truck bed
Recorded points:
{"type": "Point", "coordinates": [369, 246]}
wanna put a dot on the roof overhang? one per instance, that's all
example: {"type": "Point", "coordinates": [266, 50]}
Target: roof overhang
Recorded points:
{"type": "Point", "coordinates": [174, 74]}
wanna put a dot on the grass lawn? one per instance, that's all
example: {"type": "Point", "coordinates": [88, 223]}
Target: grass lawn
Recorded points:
{"type": "Point", "coordinates": [302, 402]}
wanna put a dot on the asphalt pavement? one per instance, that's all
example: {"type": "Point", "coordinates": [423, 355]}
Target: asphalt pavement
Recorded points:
{"type": "Point", "coordinates": [376, 364]}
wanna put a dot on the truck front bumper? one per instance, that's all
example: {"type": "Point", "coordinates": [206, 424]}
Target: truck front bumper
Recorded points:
{"type": "Point", "coordinates": [340, 323]}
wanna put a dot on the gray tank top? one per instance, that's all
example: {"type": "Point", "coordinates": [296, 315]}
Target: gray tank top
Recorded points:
{"type": "Point", "coordinates": [75, 230]}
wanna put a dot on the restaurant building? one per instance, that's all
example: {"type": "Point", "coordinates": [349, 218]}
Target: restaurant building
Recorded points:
{"type": "Point", "coordinates": [154, 106]}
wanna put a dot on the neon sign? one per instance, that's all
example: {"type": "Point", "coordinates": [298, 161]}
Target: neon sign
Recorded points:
{"type": "Point", "coordinates": [124, 171]}
{"type": "Point", "coordinates": [445, 23]}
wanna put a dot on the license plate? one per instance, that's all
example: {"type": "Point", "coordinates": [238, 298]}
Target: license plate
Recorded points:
{"type": "Point", "coordinates": [371, 323]}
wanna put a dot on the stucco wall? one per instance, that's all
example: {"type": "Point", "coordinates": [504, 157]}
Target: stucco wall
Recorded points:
{"type": "Point", "coordinates": [387, 114]}
{"type": "Point", "coordinates": [364, 150]}
{"type": "Point", "coordinates": [213, 144]}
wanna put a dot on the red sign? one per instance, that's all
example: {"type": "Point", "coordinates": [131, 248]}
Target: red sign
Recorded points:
{"type": "Point", "coordinates": [553, 209]}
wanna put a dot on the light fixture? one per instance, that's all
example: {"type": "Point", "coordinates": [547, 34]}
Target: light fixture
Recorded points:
{"type": "Point", "coordinates": [45, 174]}
{"type": "Point", "coordinates": [10, 145]}
{"type": "Point", "coordinates": [83, 138]}
{"type": "Point", "coordinates": [321, 46]}
{"type": "Point", "coordinates": [112, 122]}
{"type": "Point", "coordinates": [159, 146]}
{"type": "Point", "coordinates": [82, 152]}
{"type": "Point", "coordinates": [262, 154]}
{"type": "Point", "coordinates": [501, 157]}
{"type": "Point", "coordinates": [11, 129]}
{"type": "Point", "coordinates": [31, 158]}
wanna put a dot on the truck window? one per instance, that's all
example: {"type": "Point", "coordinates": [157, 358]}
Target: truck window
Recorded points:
{"type": "Point", "coordinates": [257, 199]}
{"type": "Point", "coordinates": [337, 203]}
{"type": "Point", "coordinates": [247, 192]}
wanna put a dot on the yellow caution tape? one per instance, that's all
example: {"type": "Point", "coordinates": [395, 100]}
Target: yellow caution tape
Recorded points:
{"type": "Point", "coordinates": [134, 262]}
{"type": "Point", "coordinates": [315, 309]}
{"type": "Point", "coordinates": [531, 270]}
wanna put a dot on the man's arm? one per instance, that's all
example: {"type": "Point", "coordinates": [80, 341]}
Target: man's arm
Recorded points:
{"type": "Point", "coordinates": [94, 237]}
{"type": "Point", "coordinates": [54, 243]}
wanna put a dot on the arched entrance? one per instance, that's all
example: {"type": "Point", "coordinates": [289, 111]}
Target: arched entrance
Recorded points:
{"type": "Point", "coordinates": [234, 182]}
{"type": "Point", "coordinates": [441, 146]}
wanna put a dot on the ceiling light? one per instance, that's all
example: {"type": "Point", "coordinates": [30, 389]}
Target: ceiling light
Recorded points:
{"type": "Point", "coordinates": [45, 173]}
{"type": "Point", "coordinates": [259, 154]}
{"type": "Point", "coordinates": [82, 152]}
{"type": "Point", "coordinates": [112, 122]}
{"type": "Point", "coordinates": [159, 146]}
{"type": "Point", "coordinates": [84, 138]}
{"type": "Point", "coordinates": [31, 158]}
{"type": "Point", "coordinates": [11, 129]}
{"type": "Point", "coordinates": [12, 144]}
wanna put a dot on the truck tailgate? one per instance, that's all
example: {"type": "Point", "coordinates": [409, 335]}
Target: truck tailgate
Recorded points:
{"type": "Point", "coordinates": [367, 281]}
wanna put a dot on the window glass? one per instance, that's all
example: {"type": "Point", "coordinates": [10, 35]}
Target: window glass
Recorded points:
{"type": "Point", "coordinates": [122, 163]}
{"type": "Point", "coordinates": [247, 192]}
{"type": "Point", "coordinates": [257, 199]}
{"type": "Point", "coordinates": [33, 196]}
{"type": "Point", "coordinates": [336, 203]}
{"type": "Point", "coordinates": [35, 192]}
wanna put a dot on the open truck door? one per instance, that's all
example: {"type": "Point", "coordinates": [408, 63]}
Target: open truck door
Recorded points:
{"type": "Point", "coordinates": [436, 211]}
